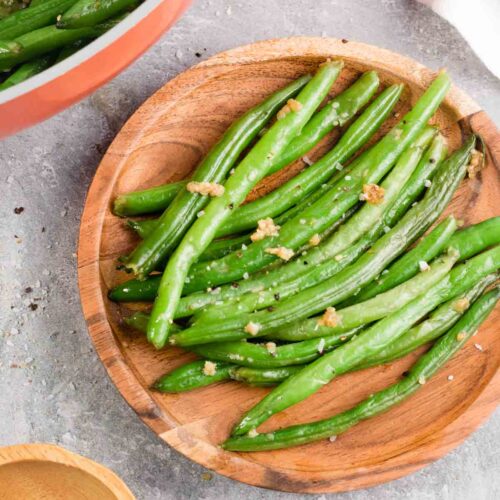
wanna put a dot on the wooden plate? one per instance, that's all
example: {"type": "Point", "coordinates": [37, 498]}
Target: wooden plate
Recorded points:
{"type": "Point", "coordinates": [43, 471]}
{"type": "Point", "coordinates": [163, 141]}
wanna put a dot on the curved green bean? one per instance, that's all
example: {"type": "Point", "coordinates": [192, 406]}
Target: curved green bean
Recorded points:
{"type": "Point", "coordinates": [369, 343]}
{"type": "Point", "coordinates": [186, 206]}
{"type": "Point", "coordinates": [348, 281]}
{"type": "Point", "coordinates": [381, 401]}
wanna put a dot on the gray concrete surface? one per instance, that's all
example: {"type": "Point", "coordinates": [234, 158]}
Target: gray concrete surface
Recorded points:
{"type": "Point", "coordinates": [53, 387]}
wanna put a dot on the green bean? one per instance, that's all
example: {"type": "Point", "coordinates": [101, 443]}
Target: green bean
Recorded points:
{"type": "Point", "coordinates": [332, 204]}
{"type": "Point", "coordinates": [359, 224]}
{"type": "Point", "coordinates": [247, 216]}
{"type": "Point", "coordinates": [370, 342]}
{"type": "Point", "coordinates": [185, 207]}
{"type": "Point", "coordinates": [45, 40]}
{"type": "Point", "coordinates": [346, 104]}
{"type": "Point", "coordinates": [251, 169]}
{"type": "Point", "coordinates": [27, 20]}
{"type": "Point", "coordinates": [133, 290]}
{"type": "Point", "coordinates": [381, 401]}
{"type": "Point", "coordinates": [349, 280]}
{"type": "Point", "coordinates": [267, 355]}
{"type": "Point", "coordinates": [467, 242]}
{"type": "Point", "coordinates": [148, 200]}
{"type": "Point", "coordinates": [192, 376]}
{"type": "Point", "coordinates": [85, 13]}
{"type": "Point", "coordinates": [441, 320]}
{"type": "Point", "coordinates": [370, 310]}
{"type": "Point", "coordinates": [27, 70]}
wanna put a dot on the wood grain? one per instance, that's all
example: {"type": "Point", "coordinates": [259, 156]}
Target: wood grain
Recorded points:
{"type": "Point", "coordinates": [43, 471]}
{"type": "Point", "coordinates": [163, 141]}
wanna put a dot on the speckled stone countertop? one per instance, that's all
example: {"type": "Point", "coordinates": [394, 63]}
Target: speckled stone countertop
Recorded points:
{"type": "Point", "coordinates": [53, 386]}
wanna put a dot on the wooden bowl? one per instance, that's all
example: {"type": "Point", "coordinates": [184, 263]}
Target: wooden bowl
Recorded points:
{"type": "Point", "coordinates": [163, 141]}
{"type": "Point", "coordinates": [34, 471]}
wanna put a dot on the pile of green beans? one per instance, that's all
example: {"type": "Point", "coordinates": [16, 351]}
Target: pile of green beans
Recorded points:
{"type": "Point", "coordinates": [358, 275]}
{"type": "Point", "coordinates": [42, 33]}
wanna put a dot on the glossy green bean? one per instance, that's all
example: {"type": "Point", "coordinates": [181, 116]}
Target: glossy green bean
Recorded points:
{"type": "Point", "coordinates": [289, 193]}
{"type": "Point", "coordinates": [186, 206]}
{"type": "Point", "coordinates": [192, 376]}
{"type": "Point", "coordinates": [329, 208]}
{"type": "Point", "coordinates": [250, 170]}
{"type": "Point", "coordinates": [146, 290]}
{"type": "Point", "coordinates": [467, 242]}
{"type": "Point", "coordinates": [369, 343]}
{"type": "Point", "coordinates": [86, 13]}
{"type": "Point", "coordinates": [147, 200]}
{"type": "Point", "coordinates": [354, 277]}
{"type": "Point", "coordinates": [372, 309]}
{"type": "Point", "coordinates": [247, 216]}
{"type": "Point", "coordinates": [441, 320]}
{"type": "Point", "coordinates": [358, 225]}
{"type": "Point", "coordinates": [381, 401]}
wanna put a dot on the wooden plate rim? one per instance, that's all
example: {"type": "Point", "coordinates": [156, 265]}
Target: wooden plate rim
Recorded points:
{"type": "Point", "coordinates": [235, 465]}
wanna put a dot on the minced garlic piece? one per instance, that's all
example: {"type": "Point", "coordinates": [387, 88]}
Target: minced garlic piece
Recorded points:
{"type": "Point", "coordinates": [209, 368]}
{"type": "Point", "coordinates": [252, 433]}
{"type": "Point", "coordinates": [315, 240]}
{"type": "Point", "coordinates": [205, 188]}
{"type": "Point", "coordinates": [294, 105]}
{"type": "Point", "coordinates": [330, 318]}
{"type": "Point", "coordinates": [373, 193]}
{"type": "Point", "coordinates": [252, 328]}
{"type": "Point", "coordinates": [283, 112]}
{"type": "Point", "coordinates": [461, 336]}
{"type": "Point", "coordinates": [476, 163]}
{"type": "Point", "coordinates": [421, 380]}
{"type": "Point", "coordinates": [265, 227]}
{"type": "Point", "coordinates": [338, 257]}
{"type": "Point", "coordinates": [271, 347]}
{"type": "Point", "coordinates": [461, 305]}
{"type": "Point", "coordinates": [423, 266]}
{"type": "Point", "coordinates": [281, 252]}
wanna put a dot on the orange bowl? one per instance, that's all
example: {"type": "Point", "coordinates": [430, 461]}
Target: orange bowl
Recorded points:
{"type": "Point", "coordinates": [77, 76]}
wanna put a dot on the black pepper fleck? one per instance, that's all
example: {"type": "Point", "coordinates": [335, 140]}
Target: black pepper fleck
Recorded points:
{"type": "Point", "coordinates": [33, 306]}
{"type": "Point", "coordinates": [28, 289]}
{"type": "Point", "coordinates": [235, 285]}
{"type": "Point", "coordinates": [305, 263]}
{"type": "Point", "coordinates": [197, 54]}
{"type": "Point", "coordinates": [277, 296]}
{"type": "Point", "coordinates": [18, 210]}
{"type": "Point", "coordinates": [344, 40]}
{"type": "Point", "coordinates": [271, 308]}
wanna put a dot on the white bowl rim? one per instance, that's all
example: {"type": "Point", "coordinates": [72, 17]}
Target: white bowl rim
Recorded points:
{"type": "Point", "coordinates": [82, 55]}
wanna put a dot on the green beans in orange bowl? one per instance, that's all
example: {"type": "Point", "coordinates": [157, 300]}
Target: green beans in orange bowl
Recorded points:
{"type": "Point", "coordinates": [284, 256]}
